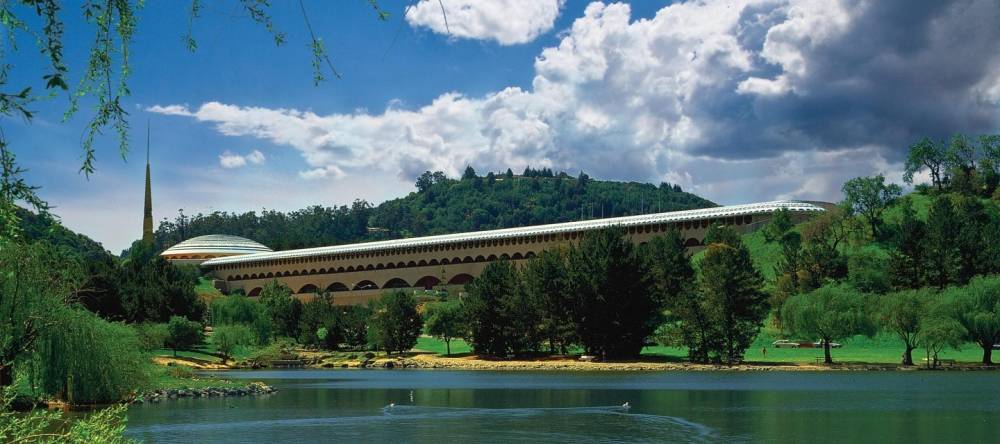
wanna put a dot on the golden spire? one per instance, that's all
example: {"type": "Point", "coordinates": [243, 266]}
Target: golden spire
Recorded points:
{"type": "Point", "coordinates": [147, 211]}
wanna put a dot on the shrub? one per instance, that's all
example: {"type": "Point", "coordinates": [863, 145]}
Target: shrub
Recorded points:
{"type": "Point", "coordinates": [227, 337]}
{"type": "Point", "coordinates": [183, 334]}
{"type": "Point", "coordinates": [152, 336]}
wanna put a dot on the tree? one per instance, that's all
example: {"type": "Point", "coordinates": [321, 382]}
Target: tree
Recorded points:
{"type": "Point", "coordinates": [445, 322]}
{"type": "Point", "coordinates": [469, 174]}
{"type": "Point", "coordinates": [906, 260]}
{"type": "Point", "coordinates": [183, 334]}
{"type": "Point", "coordinates": [352, 320]}
{"type": "Point", "coordinates": [903, 314]}
{"type": "Point", "coordinates": [869, 197]}
{"type": "Point", "coordinates": [151, 336]}
{"type": "Point", "coordinates": [153, 289]}
{"type": "Point", "coordinates": [316, 314]}
{"type": "Point", "coordinates": [396, 321]}
{"type": "Point", "coordinates": [938, 333]}
{"type": "Point", "coordinates": [977, 309]}
{"type": "Point", "coordinates": [734, 300]}
{"type": "Point", "coordinates": [615, 311]}
{"type": "Point", "coordinates": [284, 310]}
{"type": "Point", "coordinates": [89, 360]}
{"type": "Point", "coordinates": [831, 313]}
{"type": "Point", "coordinates": [35, 280]}
{"type": "Point", "coordinates": [940, 249]}
{"type": "Point", "coordinates": [925, 154]}
{"type": "Point", "coordinates": [781, 222]}
{"type": "Point", "coordinates": [228, 337]}
{"type": "Point", "coordinates": [484, 308]}
{"type": "Point", "coordinates": [237, 309]}
{"type": "Point", "coordinates": [868, 271]}
{"type": "Point", "coordinates": [547, 287]}
{"type": "Point", "coordinates": [674, 281]}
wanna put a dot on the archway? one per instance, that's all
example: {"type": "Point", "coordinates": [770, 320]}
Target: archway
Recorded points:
{"type": "Point", "coordinates": [255, 292]}
{"type": "Point", "coordinates": [396, 283]}
{"type": "Point", "coordinates": [427, 282]}
{"type": "Point", "coordinates": [366, 285]}
{"type": "Point", "coordinates": [308, 288]}
{"type": "Point", "coordinates": [337, 286]}
{"type": "Point", "coordinates": [460, 279]}
{"type": "Point", "coordinates": [692, 242]}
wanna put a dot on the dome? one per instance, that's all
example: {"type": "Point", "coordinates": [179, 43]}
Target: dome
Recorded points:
{"type": "Point", "coordinates": [199, 249]}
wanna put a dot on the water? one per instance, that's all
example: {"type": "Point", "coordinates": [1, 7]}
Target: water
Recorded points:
{"type": "Point", "coordinates": [435, 406]}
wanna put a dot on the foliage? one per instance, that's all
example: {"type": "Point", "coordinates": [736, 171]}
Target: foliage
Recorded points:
{"type": "Point", "coordinates": [781, 222]}
{"type": "Point", "coordinates": [445, 322]}
{"type": "Point", "coordinates": [546, 286]}
{"type": "Point", "coordinates": [352, 321]}
{"type": "Point", "coordinates": [105, 426]}
{"type": "Point", "coordinates": [183, 334]}
{"type": "Point", "coordinates": [976, 307]}
{"type": "Point", "coordinates": [283, 309]}
{"type": "Point", "coordinates": [869, 197]}
{"type": "Point", "coordinates": [35, 280]}
{"type": "Point", "coordinates": [491, 328]}
{"type": "Point", "coordinates": [733, 299]}
{"type": "Point", "coordinates": [154, 290]}
{"type": "Point", "coordinates": [228, 337]}
{"type": "Point", "coordinates": [904, 313]}
{"type": "Point", "coordinates": [396, 322]}
{"type": "Point", "coordinates": [868, 271]}
{"type": "Point", "coordinates": [830, 313]}
{"type": "Point", "coordinates": [239, 309]}
{"type": "Point", "coordinates": [926, 154]}
{"type": "Point", "coordinates": [440, 205]}
{"type": "Point", "coordinates": [938, 333]}
{"type": "Point", "coordinates": [319, 315]}
{"type": "Point", "coordinates": [87, 359]}
{"type": "Point", "coordinates": [151, 336]}
{"type": "Point", "coordinates": [615, 312]}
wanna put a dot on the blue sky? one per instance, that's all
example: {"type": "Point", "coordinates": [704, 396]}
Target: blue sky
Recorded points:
{"type": "Point", "coordinates": [735, 100]}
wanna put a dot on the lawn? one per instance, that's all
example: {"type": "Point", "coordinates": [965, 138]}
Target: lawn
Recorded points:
{"type": "Point", "coordinates": [881, 349]}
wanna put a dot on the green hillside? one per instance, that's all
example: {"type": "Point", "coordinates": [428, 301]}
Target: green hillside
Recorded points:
{"type": "Point", "coordinates": [442, 205]}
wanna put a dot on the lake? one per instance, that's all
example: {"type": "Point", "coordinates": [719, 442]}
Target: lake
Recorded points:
{"type": "Point", "coordinates": [436, 406]}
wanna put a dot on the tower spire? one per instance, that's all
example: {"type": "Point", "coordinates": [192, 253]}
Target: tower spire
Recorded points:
{"type": "Point", "coordinates": [147, 210]}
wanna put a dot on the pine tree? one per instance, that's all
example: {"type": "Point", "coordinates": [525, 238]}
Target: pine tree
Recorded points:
{"type": "Point", "coordinates": [940, 250]}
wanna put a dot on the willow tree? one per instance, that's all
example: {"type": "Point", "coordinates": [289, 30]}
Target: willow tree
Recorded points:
{"type": "Point", "coordinates": [830, 313]}
{"type": "Point", "coordinates": [35, 281]}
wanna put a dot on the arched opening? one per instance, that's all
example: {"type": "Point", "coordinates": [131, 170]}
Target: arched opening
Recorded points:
{"type": "Point", "coordinates": [396, 283]}
{"type": "Point", "coordinates": [253, 276]}
{"type": "Point", "coordinates": [322, 271]}
{"type": "Point", "coordinates": [491, 257]}
{"type": "Point", "coordinates": [400, 265]}
{"type": "Point", "coordinates": [421, 263]}
{"type": "Point", "coordinates": [427, 282]}
{"type": "Point", "coordinates": [444, 261]}
{"type": "Point", "coordinates": [411, 264]}
{"type": "Point", "coordinates": [295, 273]}
{"type": "Point", "coordinates": [529, 255]}
{"type": "Point", "coordinates": [270, 275]}
{"type": "Point", "coordinates": [468, 259]}
{"type": "Point", "coordinates": [366, 285]}
{"type": "Point", "coordinates": [340, 269]}
{"type": "Point", "coordinates": [456, 260]}
{"type": "Point", "coordinates": [308, 288]}
{"type": "Point", "coordinates": [255, 292]}
{"type": "Point", "coordinates": [390, 265]}
{"type": "Point", "coordinates": [380, 266]}
{"type": "Point", "coordinates": [692, 242]}
{"type": "Point", "coordinates": [460, 279]}
{"type": "Point", "coordinates": [370, 267]}
{"type": "Point", "coordinates": [337, 286]}
{"type": "Point", "coordinates": [433, 262]}
{"type": "Point", "coordinates": [480, 258]}
{"type": "Point", "coordinates": [350, 268]}
{"type": "Point", "coordinates": [246, 276]}
{"type": "Point", "coordinates": [313, 271]}
{"type": "Point", "coordinates": [504, 256]}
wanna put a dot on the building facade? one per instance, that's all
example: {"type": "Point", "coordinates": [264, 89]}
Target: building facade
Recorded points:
{"type": "Point", "coordinates": [357, 273]}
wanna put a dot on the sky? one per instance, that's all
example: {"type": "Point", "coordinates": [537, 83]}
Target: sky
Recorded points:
{"type": "Point", "coordinates": [736, 101]}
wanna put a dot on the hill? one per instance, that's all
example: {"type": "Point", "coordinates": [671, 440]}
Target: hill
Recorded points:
{"type": "Point", "coordinates": [45, 228]}
{"type": "Point", "coordinates": [442, 205]}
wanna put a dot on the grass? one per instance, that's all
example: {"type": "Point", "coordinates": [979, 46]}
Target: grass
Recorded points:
{"type": "Point", "coordinates": [881, 349]}
{"type": "Point", "coordinates": [177, 377]}
{"type": "Point", "coordinates": [205, 290]}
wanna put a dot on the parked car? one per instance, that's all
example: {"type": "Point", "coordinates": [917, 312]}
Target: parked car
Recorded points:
{"type": "Point", "coordinates": [819, 344]}
{"type": "Point", "coordinates": [784, 343]}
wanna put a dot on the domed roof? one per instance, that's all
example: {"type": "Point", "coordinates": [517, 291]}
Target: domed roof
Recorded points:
{"type": "Point", "coordinates": [216, 245]}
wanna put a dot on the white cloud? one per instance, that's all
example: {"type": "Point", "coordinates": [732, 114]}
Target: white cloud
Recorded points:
{"type": "Point", "coordinates": [508, 22]}
{"type": "Point", "coordinates": [231, 160]}
{"type": "Point", "coordinates": [726, 97]}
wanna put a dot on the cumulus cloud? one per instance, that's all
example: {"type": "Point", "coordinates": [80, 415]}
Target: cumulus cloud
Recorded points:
{"type": "Point", "coordinates": [731, 99]}
{"type": "Point", "coordinates": [231, 160]}
{"type": "Point", "coordinates": [508, 22]}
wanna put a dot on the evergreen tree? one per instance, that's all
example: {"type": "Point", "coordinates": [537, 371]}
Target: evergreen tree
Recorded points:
{"type": "Point", "coordinates": [732, 290]}
{"type": "Point", "coordinates": [673, 278]}
{"type": "Point", "coordinates": [284, 310]}
{"type": "Point", "coordinates": [396, 322]}
{"type": "Point", "coordinates": [547, 286]}
{"type": "Point", "coordinates": [940, 249]}
{"type": "Point", "coordinates": [615, 309]}
{"type": "Point", "coordinates": [906, 260]}
{"type": "Point", "coordinates": [484, 307]}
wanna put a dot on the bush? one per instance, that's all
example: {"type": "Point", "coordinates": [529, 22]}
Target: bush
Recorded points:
{"type": "Point", "coordinates": [183, 334]}
{"type": "Point", "coordinates": [87, 359]}
{"type": "Point", "coordinates": [238, 309]}
{"type": "Point", "coordinates": [396, 322]}
{"type": "Point", "coordinates": [227, 337]}
{"type": "Point", "coordinates": [868, 271]}
{"type": "Point", "coordinates": [151, 336]}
